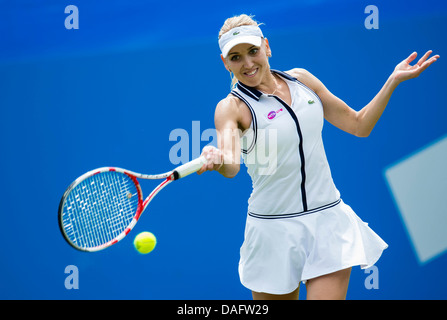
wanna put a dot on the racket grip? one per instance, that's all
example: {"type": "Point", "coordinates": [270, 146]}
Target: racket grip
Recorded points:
{"type": "Point", "coordinates": [189, 167]}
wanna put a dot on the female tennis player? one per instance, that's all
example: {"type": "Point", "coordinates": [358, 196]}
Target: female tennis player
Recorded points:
{"type": "Point", "coordinates": [298, 228]}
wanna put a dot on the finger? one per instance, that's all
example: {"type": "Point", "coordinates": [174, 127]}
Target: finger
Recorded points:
{"type": "Point", "coordinates": [207, 149]}
{"type": "Point", "coordinates": [202, 170]}
{"type": "Point", "coordinates": [411, 57]}
{"type": "Point", "coordinates": [426, 55]}
{"type": "Point", "coordinates": [217, 159]}
{"type": "Point", "coordinates": [207, 152]}
{"type": "Point", "coordinates": [219, 156]}
{"type": "Point", "coordinates": [427, 63]}
{"type": "Point", "coordinates": [431, 60]}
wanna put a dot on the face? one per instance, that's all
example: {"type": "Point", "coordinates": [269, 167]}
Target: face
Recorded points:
{"type": "Point", "coordinates": [249, 63]}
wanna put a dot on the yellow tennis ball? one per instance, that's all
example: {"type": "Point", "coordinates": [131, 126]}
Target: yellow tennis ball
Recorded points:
{"type": "Point", "coordinates": [145, 242]}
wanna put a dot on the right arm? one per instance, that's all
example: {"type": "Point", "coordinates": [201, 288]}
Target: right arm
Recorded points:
{"type": "Point", "coordinates": [226, 158]}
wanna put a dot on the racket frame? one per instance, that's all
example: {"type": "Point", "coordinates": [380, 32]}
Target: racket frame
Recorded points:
{"type": "Point", "coordinates": [177, 173]}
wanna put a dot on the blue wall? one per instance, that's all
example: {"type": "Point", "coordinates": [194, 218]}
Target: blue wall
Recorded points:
{"type": "Point", "coordinates": [111, 92]}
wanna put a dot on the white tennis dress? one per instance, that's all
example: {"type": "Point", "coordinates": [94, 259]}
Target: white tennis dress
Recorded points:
{"type": "Point", "coordinates": [297, 226]}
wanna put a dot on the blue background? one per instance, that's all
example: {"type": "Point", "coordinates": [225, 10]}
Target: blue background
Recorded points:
{"type": "Point", "coordinates": [111, 92]}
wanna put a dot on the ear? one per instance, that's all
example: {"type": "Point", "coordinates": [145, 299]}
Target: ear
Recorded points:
{"type": "Point", "coordinates": [267, 47]}
{"type": "Point", "coordinates": [225, 63]}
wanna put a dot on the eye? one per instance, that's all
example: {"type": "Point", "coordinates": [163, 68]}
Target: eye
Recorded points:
{"type": "Point", "coordinates": [254, 51]}
{"type": "Point", "coordinates": [234, 57]}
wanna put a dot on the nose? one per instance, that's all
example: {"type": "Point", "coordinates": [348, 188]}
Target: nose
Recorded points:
{"type": "Point", "coordinates": [248, 62]}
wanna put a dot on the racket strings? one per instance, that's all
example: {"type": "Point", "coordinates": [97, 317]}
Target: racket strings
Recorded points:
{"type": "Point", "coordinates": [99, 209]}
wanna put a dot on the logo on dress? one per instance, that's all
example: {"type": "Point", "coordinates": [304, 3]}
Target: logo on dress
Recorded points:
{"type": "Point", "coordinates": [273, 114]}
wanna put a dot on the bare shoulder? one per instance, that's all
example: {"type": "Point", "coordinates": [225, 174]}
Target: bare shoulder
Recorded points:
{"type": "Point", "coordinates": [228, 104]}
{"type": "Point", "coordinates": [227, 109]}
{"type": "Point", "coordinates": [307, 78]}
{"type": "Point", "coordinates": [232, 109]}
{"type": "Point", "coordinates": [299, 73]}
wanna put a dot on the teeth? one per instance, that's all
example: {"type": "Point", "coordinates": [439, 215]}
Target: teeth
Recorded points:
{"type": "Point", "coordinates": [251, 73]}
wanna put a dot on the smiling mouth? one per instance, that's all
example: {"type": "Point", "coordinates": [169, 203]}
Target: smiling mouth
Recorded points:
{"type": "Point", "coordinates": [251, 73]}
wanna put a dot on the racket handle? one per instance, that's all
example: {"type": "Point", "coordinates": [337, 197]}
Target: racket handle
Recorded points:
{"type": "Point", "coordinates": [189, 167]}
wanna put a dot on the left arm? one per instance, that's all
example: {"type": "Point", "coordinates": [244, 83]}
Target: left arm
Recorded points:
{"type": "Point", "coordinates": [360, 123]}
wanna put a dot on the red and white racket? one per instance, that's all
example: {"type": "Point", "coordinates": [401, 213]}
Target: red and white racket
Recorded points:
{"type": "Point", "coordinates": [103, 205]}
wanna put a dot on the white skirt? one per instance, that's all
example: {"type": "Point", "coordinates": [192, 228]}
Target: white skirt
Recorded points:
{"type": "Point", "coordinates": [279, 253]}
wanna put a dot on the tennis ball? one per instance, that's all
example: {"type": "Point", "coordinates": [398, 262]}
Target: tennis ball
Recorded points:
{"type": "Point", "coordinates": [145, 242]}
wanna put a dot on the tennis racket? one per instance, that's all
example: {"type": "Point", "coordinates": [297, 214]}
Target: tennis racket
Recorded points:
{"type": "Point", "coordinates": [103, 205]}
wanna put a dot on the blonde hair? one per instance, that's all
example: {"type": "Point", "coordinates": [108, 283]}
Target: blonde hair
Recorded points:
{"type": "Point", "coordinates": [237, 21]}
{"type": "Point", "coordinates": [233, 22]}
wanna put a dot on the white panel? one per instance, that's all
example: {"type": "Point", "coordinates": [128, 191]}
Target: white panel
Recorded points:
{"type": "Point", "coordinates": [419, 187]}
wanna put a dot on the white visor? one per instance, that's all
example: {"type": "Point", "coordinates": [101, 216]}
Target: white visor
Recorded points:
{"type": "Point", "coordinates": [243, 34]}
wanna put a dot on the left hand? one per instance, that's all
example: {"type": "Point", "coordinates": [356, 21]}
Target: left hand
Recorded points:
{"type": "Point", "coordinates": [405, 71]}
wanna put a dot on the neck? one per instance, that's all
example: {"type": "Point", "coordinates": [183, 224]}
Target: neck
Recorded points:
{"type": "Point", "coordinates": [270, 85]}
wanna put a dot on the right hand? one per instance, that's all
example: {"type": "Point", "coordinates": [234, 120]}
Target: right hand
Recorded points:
{"type": "Point", "coordinates": [214, 159]}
